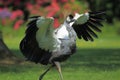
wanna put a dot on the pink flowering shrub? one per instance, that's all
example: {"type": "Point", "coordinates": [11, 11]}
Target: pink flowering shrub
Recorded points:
{"type": "Point", "coordinates": [58, 9]}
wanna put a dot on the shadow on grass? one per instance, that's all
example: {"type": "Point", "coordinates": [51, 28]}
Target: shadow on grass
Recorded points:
{"type": "Point", "coordinates": [100, 59]}
{"type": "Point", "coordinates": [96, 59]}
{"type": "Point", "coordinates": [14, 68]}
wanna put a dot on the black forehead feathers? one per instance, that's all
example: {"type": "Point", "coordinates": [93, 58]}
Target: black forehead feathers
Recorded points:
{"type": "Point", "coordinates": [71, 16]}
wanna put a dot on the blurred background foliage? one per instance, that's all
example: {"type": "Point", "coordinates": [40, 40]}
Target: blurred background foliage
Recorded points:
{"type": "Point", "coordinates": [18, 11]}
{"type": "Point", "coordinates": [112, 8]}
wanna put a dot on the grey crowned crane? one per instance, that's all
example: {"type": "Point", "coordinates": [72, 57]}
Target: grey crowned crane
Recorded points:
{"type": "Point", "coordinates": [45, 45]}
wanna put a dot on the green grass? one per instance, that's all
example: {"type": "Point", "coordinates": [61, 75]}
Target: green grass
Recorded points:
{"type": "Point", "coordinates": [98, 60]}
{"type": "Point", "coordinates": [86, 64]}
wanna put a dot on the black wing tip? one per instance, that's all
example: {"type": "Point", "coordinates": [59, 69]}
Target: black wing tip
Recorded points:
{"type": "Point", "coordinates": [97, 12]}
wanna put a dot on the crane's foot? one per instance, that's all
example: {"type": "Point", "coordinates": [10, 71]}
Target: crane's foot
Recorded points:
{"type": "Point", "coordinates": [42, 75]}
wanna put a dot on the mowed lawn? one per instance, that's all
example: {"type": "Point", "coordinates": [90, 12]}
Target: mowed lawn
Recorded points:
{"type": "Point", "coordinates": [98, 60]}
{"type": "Point", "coordinates": [86, 64]}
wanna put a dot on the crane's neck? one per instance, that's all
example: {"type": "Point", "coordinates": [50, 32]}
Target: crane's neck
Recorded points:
{"type": "Point", "coordinates": [67, 26]}
{"type": "Point", "coordinates": [70, 30]}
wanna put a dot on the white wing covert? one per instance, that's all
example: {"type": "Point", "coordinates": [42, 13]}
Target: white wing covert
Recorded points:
{"type": "Point", "coordinates": [44, 35]}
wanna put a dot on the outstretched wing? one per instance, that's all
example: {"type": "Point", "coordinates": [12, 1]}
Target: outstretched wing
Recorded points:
{"type": "Point", "coordinates": [33, 49]}
{"type": "Point", "coordinates": [86, 24]}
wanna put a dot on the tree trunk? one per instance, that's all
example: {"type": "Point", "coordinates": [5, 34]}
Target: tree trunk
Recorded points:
{"type": "Point", "coordinates": [6, 56]}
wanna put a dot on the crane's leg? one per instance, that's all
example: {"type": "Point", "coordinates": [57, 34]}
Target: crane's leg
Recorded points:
{"type": "Point", "coordinates": [59, 69]}
{"type": "Point", "coordinates": [42, 75]}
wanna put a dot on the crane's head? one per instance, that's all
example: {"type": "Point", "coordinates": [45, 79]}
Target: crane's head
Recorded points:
{"type": "Point", "coordinates": [70, 19]}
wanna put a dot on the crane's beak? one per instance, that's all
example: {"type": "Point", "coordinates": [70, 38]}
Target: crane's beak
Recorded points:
{"type": "Point", "coordinates": [59, 69]}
